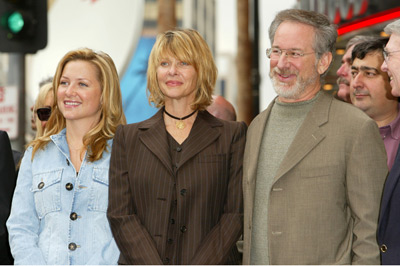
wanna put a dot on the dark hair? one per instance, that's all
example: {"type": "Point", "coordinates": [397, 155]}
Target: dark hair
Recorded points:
{"type": "Point", "coordinates": [364, 48]}
{"type": "Point", "coordinates": [359, 39]}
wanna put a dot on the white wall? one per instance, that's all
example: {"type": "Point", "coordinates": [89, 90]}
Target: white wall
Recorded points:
{"type": "Point", "coordinates": [226, 47]}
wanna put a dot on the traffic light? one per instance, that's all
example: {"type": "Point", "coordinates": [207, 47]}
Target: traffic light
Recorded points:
{"type": "Point", "coordinates": [23, 26]}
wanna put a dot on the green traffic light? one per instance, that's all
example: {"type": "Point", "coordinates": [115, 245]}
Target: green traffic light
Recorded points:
{"type": "Point", "coordinates": [15, 22]}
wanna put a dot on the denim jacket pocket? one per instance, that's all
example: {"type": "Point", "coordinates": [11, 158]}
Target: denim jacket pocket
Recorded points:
{"type": "Point", "coordinates": [46, 189]}
{"type": "Point", "coordinates": [99, 190]}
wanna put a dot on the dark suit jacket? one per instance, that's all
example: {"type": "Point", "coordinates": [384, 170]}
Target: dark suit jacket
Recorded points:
{"type": "Point", "coordinates": [389, 220]}
{"type": "Point", "coordinates": [207, 189]}
{"type": "Point", "coordinates": [7, 186]}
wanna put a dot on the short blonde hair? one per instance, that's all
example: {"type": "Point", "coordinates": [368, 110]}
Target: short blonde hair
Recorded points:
{"type": "Point", "coordinates": [188, 46]}
{"type": "Point", "coordinates": [44, 92]}
{"type": "Point", "coordinates": [112, 113]}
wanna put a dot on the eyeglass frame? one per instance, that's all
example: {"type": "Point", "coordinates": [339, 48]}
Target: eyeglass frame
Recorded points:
{"type": "Point", "coordinates": [386, 54]}
{"type": "Point", "coordinates": [46, 115]}
{"type": "Point", "coordinates": [268, 52]}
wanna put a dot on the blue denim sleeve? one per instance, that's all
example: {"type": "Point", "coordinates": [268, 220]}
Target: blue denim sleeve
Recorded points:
{"type": "Point", "coordinates": [23, 224]}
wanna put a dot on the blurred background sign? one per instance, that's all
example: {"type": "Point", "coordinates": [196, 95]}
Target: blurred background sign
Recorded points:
{"type": "Point", "coordinates": [9, 110]}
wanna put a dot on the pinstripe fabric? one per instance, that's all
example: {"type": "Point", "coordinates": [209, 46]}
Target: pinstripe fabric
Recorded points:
{"type": "Point", "coordinates": [209, 212]}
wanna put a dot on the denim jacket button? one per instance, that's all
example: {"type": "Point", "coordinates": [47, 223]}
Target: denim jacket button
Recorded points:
{"type": "Point", "coordinates": [73, 216]}
{"type": "Point", "coordinates": [69, 186]}
{"type": "Point", "coordinates": [40, 185]}
{"type": "Point", "coordinates": [72, 246]}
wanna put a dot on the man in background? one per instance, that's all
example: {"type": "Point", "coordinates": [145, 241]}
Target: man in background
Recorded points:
{"type": "Point", "coordinates": [370, 91]}
{"type": "Point", "coordinates": [343, 72]}
{"type": "Point", "coordinates": [222, 109]}
{"type": "Point", "coordinates": [389, 219]}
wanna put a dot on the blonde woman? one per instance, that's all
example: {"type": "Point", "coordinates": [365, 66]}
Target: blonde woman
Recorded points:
{"type": "Point", "coordinates": [176, 178]}
{"type": "Point", "coordinates": [58, 213]}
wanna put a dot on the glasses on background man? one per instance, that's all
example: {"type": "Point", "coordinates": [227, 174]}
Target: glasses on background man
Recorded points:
{"type": "Point", "coordinates": [386, 54]}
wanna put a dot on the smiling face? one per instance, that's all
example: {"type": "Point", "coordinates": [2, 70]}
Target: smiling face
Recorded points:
{"type": "Point", "coordinates": [392, 64]}
{"type": "Point", "coordinates": [370, 88]}
{"type": "Point", "coordinates": [176, 79]}
{"type": "Point", "coordinates": [79, 92]}
{"type": "Point", "coordinates": [296, 79]}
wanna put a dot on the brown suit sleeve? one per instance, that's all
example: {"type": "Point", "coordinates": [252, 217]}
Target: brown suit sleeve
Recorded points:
{"type": "Point", "coordinates": [218, 243]}
{"type": "Point", "coordinates": [133, 240]}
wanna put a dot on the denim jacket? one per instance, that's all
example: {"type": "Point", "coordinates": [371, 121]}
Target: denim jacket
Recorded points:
{"type": "Point", "coordinates": [59, 216]}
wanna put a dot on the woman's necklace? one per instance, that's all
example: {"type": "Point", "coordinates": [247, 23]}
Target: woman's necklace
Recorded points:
{"type": "Point", "coordinates": [180, 124]}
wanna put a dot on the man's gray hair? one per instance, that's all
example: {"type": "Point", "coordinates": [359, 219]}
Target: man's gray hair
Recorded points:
{"type": "Point", "coordinates": [325, 31]}
{"type": "Point", "coordinates": [393, 27]}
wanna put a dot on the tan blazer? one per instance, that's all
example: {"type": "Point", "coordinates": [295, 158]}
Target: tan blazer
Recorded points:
{"type": "Point", "coordinates": [189, 215]}
{"type": "Point", "coordinates": [324, 201]}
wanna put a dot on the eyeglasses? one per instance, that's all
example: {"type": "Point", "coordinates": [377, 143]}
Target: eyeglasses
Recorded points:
{"type": "Point", "coordinates": [275, 53]}
{"type": "Point", "coordinates": [386, 54]}
{"type": "Point", "coordinates": [43, 113]}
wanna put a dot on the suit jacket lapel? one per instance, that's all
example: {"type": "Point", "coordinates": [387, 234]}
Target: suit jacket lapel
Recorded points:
{"type": "Point", "coordinates": [308, 135]}
{"type": "Point", "coordinates": [154, 136]}
{"type": "Point", "coordinates": [202, 135]}
{"type": "Point", "coordinates": [391, 183]}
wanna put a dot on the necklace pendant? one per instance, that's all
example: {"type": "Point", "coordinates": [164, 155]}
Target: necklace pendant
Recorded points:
{"type": "Point", "coordinates": [180, 124]}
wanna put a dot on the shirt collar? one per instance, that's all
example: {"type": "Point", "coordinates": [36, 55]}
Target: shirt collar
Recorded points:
{"type": "Point", "coordinates": [394, 126]}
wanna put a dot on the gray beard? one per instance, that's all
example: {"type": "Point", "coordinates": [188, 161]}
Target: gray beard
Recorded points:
{"type": "Point", "coordinates": [295, 91]}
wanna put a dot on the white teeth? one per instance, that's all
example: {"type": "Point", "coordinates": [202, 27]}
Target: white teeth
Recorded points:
{"type": "Point", "coordinates": [69, 103]}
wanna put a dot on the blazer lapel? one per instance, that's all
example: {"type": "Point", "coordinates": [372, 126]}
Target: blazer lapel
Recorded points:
{"type": "Point", "coordinates": [202, 135]}
{"type": "Point", "coordinates": [308, 135]}
{"type": "Point", "coordinates": [154, 136]}
{"type": "Point", "coordinates": [391, 183]}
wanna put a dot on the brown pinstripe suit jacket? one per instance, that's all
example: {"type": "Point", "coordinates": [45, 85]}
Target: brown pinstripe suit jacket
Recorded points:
{"type": "Point", "coordinates": [209, 215]}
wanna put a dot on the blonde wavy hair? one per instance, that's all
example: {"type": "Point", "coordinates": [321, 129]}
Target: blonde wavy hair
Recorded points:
{"type": "Point", "coordinates": [45, 91]}
{"type": "Point", "coordinates": [112, 113]}
{"type": "Point", "coordinates": [188, 46]}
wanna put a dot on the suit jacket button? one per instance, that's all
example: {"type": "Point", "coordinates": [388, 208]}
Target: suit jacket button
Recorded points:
{"type": "Point", "coordinates": [40, 185]}
{"type": "Point", "coordinates": [72, 246]}
{"type": "Point", "coordinates": [383, 248]}
{"type": "Point", "coordinates": [166, 261]}
{"type": "Point", "coordinates": [183, 229]}
{"type": "Point", "coordinates": [183, 192]}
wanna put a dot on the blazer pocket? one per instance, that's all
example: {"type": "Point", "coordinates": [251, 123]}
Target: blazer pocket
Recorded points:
{"type": "Point", "coordinates": [99, 190]}
{"type": "Point", "coordinates": [212, 158]}
{"type": "Point", "coordinates": [315, 172]}
{"type": "Point", "coordinates": [46, 189]}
